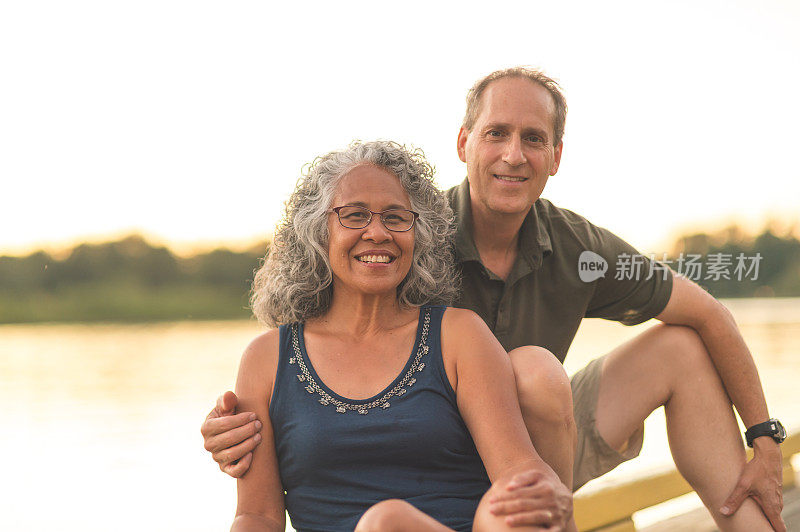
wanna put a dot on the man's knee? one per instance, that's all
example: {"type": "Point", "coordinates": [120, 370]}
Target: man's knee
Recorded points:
{"type": "Point", "coordinates": [686, 351]}
{"type": "Point", "coordinates": [542, 385]}
{"type": "Point", "coordinates": [383, 516]}
{"type": "Point", "coordinates": [679, 337]}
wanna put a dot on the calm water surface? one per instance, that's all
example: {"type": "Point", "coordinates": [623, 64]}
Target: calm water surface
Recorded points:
{"type": "Point", "coordinates": [102, 427]}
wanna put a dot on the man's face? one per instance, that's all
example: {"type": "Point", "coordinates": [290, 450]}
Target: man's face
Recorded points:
{"type": "Point", "coordinates": [509, 151]}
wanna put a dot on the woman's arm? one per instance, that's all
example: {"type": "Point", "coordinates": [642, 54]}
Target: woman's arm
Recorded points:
{"type": "Point", "coordinates": [481, 374]}
{"type": "Point", "coordinates": [260, 504]}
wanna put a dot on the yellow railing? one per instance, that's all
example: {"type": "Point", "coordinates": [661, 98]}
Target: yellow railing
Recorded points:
{"type": "Point", "coordinates": [610, 510]}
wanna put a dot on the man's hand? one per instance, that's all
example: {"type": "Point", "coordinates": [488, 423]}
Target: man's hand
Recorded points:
{"type": "Point", "coordinates": [534, 498]}
{"type": "Point", "coordinates": [762, 480]}
{"type": "Point", "coordinates": [231, 438]}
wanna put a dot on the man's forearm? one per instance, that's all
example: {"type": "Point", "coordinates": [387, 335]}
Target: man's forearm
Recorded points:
{"type": "Point", "coordinates": [735, 365]}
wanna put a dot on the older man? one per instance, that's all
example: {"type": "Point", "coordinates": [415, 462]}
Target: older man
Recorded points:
{"type": "Point", "coordinates": [519, 255]}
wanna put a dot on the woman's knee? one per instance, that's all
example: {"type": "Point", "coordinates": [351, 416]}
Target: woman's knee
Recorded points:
{"type": "Point", "coordinates": [384, 516]}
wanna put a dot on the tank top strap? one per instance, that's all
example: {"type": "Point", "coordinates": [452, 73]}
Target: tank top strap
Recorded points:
{"type": "Point", "coordinates": [436, 360]}
{"type": "Point", "coordinates": [281, 389]}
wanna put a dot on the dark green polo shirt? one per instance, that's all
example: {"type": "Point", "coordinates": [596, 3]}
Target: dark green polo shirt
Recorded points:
{"type": "Point", "coordinates": [544, 298]}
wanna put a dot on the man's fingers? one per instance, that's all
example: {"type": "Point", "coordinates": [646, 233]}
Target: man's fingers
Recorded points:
{"type": "Point", "coordinates": [542, 518]}
{"type": "Point", "coordinates": [239, 468]}
{"type": "Point", "coordinates": [776, 521]}
{"type": "Point", "coordinates": [214, 426]}
{"type": "Point", "coordinates": [773, 512]}
{"type": "Point", "coordinates": [525, 478]}
{"type": "Point", "coordinates": [537, 492]}
{"type": "Point", "coordinates": [733, 502]}
{"type": "Point", "coordinates": [230, 438]}
{"type": "Point", "coordinates": [226, 403]}
{"type": "Point", "coordinates": [231, 454]}
{"type": "Point", "coordinates": [508, 507]}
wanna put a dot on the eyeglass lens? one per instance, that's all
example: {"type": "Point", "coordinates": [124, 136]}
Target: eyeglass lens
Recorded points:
{"type": "Point", "coordinates": [354, 217]}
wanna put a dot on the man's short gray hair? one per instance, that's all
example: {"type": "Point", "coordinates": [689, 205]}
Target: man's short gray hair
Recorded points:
{"type": "Point", "coordinates": [294, 282]}
{"type": "Point", "coordinates": [536, 76]}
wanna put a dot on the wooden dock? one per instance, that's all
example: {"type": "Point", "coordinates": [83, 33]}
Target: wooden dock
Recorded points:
{"type": "Point", "coordinates": [611, 509]}
{"type": "Point", "coordinates": [700, 521]}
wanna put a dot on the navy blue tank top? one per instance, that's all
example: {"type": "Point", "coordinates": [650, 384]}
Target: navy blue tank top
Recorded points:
{"type": "Point", "coordinates": [338, 456]}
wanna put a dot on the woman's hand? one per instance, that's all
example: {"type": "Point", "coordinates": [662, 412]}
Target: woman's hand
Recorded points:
{"type": "Point", "coordinates": [535, 497]}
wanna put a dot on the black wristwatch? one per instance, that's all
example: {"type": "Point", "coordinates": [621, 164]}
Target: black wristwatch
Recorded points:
{"type": "Point", "coordinates": [772, 428]}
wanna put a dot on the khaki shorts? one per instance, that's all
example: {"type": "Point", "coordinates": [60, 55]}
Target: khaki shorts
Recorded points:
{"type": "Point", "coordinates": [593, 456]}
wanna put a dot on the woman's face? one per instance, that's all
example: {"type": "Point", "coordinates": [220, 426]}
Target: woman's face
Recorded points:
{"type": "Point", "coordinates": [371, 260]}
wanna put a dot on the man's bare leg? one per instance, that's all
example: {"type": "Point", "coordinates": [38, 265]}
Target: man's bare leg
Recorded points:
{"type": "Point", "coordinates": [545, 398]}
{"type": "Point", "coordinates": [669, 365]}
{"type": "Point", "coordinates": [546, 401]}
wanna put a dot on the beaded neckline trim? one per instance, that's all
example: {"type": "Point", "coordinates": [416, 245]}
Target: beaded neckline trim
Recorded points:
{"type": "Point", "coordinates": [382, 402]}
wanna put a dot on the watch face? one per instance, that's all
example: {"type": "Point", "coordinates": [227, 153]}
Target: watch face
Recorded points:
{"type": "Point", "coordinates": [781, 435]}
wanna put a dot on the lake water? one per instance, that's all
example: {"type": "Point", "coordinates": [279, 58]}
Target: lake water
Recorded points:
{"type": "Point", "coordinates": [102, 427]}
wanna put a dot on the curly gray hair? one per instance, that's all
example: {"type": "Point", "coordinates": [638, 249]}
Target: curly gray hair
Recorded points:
{"type": "Point", "coordinates": [294, 281]}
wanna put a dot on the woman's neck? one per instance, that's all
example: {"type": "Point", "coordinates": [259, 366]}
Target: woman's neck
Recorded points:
{"type": "Point", "coordinates": [364, 314]}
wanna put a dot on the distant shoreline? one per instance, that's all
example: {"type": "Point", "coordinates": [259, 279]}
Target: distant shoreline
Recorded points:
{"type": "Point", "coordinates": [174, 311]}
{"type": "Point", "coordinates": [124, 304]}
{"type": "Point", "coordinates": [131, 280]}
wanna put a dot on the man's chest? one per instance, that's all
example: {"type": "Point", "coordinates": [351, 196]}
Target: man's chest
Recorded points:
{"type": "Point", "coordinates": [532, 310]}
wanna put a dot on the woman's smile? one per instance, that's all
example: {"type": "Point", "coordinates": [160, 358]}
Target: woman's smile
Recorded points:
{"type": "Point", "coordinates": [375, 257]}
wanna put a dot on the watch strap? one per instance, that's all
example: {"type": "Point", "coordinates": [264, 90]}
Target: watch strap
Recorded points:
{"type": "Point", "coordinates": [772, 428]}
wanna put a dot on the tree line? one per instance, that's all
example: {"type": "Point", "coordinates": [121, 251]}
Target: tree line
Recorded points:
{"type": "Point", "coordinates": [777, 272]}
{"type": "Point", "coordinates": [131, 279]}
{"type": "Point", "coordinates": [128, 279]}
{"type": "Point", "coordinates": [130, 260]}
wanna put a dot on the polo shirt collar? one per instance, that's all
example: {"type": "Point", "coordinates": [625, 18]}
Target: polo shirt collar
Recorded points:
{"type": "Point", "coordinates": [534, 242]}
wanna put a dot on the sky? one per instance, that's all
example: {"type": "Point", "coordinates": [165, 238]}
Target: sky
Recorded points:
{"type": "Point", "coordinates": [190, 121]}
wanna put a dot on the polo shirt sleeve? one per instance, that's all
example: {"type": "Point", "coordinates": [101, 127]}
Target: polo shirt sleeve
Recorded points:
{"type": "Point", "coordinates": [634, 289]}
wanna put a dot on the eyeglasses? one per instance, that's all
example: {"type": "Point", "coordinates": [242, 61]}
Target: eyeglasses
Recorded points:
{"type": "Point", "coordinates": [354, 217]}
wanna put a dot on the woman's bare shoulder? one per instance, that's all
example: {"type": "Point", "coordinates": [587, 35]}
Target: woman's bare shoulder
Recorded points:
{"type": "Point", "coordinates": [259, 361]}
{"type": "Point", "coordinates": [465, 335]}
{"type": "Point", "coordinates": [467, 340]}
{"type": "Point", "coordinates": [458, 321]}
{"type": "Point", "coordinates": [265, 345]}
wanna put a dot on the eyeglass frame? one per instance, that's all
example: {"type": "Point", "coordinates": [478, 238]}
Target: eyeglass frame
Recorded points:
{"type": "Point", "coordinates": [380, 214]}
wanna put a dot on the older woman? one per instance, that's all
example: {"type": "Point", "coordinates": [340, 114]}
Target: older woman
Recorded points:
{"type": "Point", "coordinates": [382, 410]}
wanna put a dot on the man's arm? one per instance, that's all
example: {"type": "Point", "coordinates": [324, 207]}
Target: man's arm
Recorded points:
{"type": "Point", "coordinates": [692, 306]}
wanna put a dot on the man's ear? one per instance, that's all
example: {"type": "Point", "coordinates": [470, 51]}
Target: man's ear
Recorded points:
{"type": "Point", "coordinates": [462, 144]}
{"type": "Point", "coordinates": [557, 158]}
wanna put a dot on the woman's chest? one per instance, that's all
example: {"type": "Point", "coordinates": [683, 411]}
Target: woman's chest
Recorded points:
{"type": "Point", "coordinates": [419, 429]}
{"type": "Point", "coordinates": [359, 370]}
